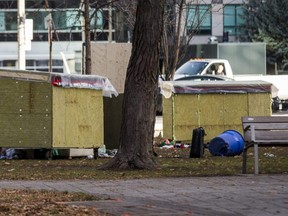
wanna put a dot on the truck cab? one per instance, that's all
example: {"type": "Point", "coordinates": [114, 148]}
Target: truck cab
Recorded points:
{"type": "Point", "coordinates": [213, 67]}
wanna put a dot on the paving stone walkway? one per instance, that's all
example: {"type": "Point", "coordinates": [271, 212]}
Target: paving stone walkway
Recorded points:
{"type": "Point", "coordinates": [246, 195]}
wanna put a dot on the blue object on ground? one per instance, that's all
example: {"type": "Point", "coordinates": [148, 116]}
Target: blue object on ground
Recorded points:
{"type": "Point", "coordinates": [229, 143]}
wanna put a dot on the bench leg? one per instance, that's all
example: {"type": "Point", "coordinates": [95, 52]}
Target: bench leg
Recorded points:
{"type": "Point", "coordinates": [256, 160]}
{"type": "Point", "coordinates": [244, 161]}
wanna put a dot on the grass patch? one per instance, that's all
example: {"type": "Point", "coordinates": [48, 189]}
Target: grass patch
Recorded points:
{"type": "Point", "coordinates": [172, 163]}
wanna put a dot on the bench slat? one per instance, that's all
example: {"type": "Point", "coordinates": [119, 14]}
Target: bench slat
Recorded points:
{"type": "Point", "coordinates": [268, 126]}
{"type": "Point", "coordinates": [267, 119]}
{"type": "Point", "coordinates": [267, 135]}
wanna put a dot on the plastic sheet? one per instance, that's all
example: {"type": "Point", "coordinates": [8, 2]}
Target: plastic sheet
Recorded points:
{"type": "Point", "coordinates": [64, 80]}
{"type": "Point", "coordinates": [84, 81]}
{"type": "Point", "coordinates": [204, 87]}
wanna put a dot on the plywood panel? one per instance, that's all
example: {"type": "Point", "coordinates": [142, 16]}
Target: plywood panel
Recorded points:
{"type": "Point", "coordinates": [187, 110]}
{"type": "Point", "coordinates": [72, 115]}
{"type": "Point", "coordinates": [113, 64]}
{"type": "Point", "coordinates": [59, 117]}
{"type": "Point", "coordinates": [235, 106]}
{"type": "Point", "coordinates": [99, 59]}
{"type": "Point", "coordinates": [211, 109]}
{"type": "Point", "coordinates": [25, 114]}
{"type": "Point", "coordinates": [167, 117]}
{"type": "Point", "coordinates": [111, 60]}
{"type": "Point", "coordinates": [259, 104]}
{"type": "Point", "coordinates": [25, 130]}
{"type": "Point", "coordinates": [40, 95]}
{"type": "Point", "coordinates": [91, 119]}
{"type": "Point", "coordinates": [14, 96]}
{"type": "Point", "coordinates": [77, 118]}
{"type": "Point", "coordinates": [185, 115]}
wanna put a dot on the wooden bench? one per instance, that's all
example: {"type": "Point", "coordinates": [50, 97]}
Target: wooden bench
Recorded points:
{"type": "Point", "coordinates": [262, 131]}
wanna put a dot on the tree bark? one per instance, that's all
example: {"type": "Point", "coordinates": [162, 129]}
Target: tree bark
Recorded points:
{"type": "Point", "coordinates": [87, 38]}
{"type": "Point", "coordinates": [140, 93]}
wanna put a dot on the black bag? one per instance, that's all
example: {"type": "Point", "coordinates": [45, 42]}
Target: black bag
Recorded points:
{"type": "Point", "coordinates": [197, 146]}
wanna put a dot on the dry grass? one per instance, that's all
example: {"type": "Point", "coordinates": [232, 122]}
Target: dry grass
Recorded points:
{"type": "Point", "coordinates": [173, 162]}
{"type": "Point", "coordinates": [29, 202]}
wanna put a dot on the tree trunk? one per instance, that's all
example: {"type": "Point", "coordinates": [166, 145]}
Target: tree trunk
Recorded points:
{"type": "Point", "coordinates": [87, 38]}
{"type": "Point", "coordinates": [140, 94]}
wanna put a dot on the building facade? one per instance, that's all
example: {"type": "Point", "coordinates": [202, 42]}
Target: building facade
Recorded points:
{"type": "Point", "coordinates": [218, 18]}
{"type": "Point", "coordinates": [204, 18]}
{"type": "Point", "coordinates": [67, 33]}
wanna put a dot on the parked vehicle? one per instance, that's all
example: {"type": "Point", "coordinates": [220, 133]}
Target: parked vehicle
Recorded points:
{"type": "Point", "coordinates": [207, 67]}
{"type": "Point", "coordinates": [203, 78]}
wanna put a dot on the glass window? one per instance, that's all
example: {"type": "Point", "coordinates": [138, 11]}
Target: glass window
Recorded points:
{"type": "Point", "coordinates": [63, 19]}
{"type": "Point", "coordinates": [29, 63]}
{"type": "Point", "coordinates": [2, 21]}
{"type": "Point", "coordinates": [57, 62]}
{"type": "Point", "coordinates": [73, 20]}
{"type": "Point", "coordinates": [38, 19]}
{"type": "Point", "coordinates": [11, 21]}
{"type": "Point", "coordinates": [41, 63]}
{"type": "Point", "coordinates": [60, 19]}
{"type": "Point", "coordinates": [96, 20]}
{"type": "Point", "coordinates": [233, 18]}
{"type": "Point", "coordinates": [67, 22]}
{"type": "Point", "coordinates": [199, 19]}
{"type": "Point", "coordinates": [9, 63]}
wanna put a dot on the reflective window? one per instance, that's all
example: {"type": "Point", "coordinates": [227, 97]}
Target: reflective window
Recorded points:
{"type": "Point", "coordinates": [9, 63]}
{"type": "Point", "coordinates": [41, 63]}
{"type": "Point", "coordinates": [29, 63]}
{"type": "Point", "coordinates": [65, 20]}
{"type": "Point", "coordinates": [199, 19]}
{"type": "Point", "coordinates": [38, 19]}
{"type": "Point", "coordinates": [233, 18]}
{"type": "Point", "coordinates": [10, 21]}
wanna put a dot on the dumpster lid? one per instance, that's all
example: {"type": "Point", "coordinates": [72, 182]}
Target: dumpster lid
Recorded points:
{"type": "Point", "coordinates": [196, 87]}
{"type": "Point", "coordinates": [64, 80]}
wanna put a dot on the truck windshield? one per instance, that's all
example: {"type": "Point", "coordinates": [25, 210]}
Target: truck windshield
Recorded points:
{"type": "Point", "coordinates": [192, 68]}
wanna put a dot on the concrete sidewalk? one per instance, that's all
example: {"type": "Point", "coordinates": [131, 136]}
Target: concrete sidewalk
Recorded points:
{"type": "Point", "coordinates": [247, 195]}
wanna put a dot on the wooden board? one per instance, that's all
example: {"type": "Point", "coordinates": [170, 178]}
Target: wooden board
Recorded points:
{"type": "Point", "coordinates": [77, 118]}
{"type": "Point", "coordinates": [25, 113]}
{"type": "Point", "coordinates": [111, 60]}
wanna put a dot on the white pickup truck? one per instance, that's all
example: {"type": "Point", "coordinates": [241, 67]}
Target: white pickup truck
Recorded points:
{"type": "Point", "coordinates": [207, 69]}
{"type": "Point", "coordinates": [204, 67]}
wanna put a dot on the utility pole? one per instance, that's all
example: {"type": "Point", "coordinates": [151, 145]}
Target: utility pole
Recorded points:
{"type": "Point", "coordinates": [21, 35]}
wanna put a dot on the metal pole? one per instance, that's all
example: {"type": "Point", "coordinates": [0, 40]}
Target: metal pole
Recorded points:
{"type": "Point", "coordinates": [21, 35]}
